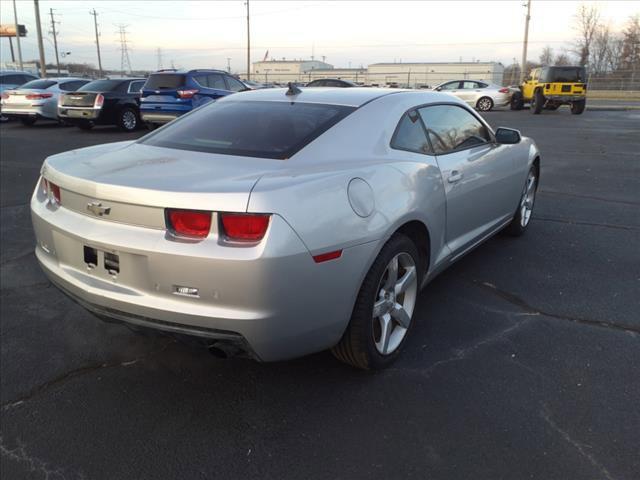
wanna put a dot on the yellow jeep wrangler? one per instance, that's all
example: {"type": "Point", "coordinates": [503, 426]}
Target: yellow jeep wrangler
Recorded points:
{"type": "Point", "coordinates": [550, 87]}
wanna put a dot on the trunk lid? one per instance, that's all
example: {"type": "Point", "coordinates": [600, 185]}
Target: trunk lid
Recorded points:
{"type": "Point", "coordinates": [134, 180]}
{"type": "Point", "coordinates": [78, 99]}
{"type": "Point", "coordinates": [19, 97]}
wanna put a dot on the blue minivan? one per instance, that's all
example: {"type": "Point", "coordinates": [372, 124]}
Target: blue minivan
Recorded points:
{"type": "Point", "coordinates": [167, 94]}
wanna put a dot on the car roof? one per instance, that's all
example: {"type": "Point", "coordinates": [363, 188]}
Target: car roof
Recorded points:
{"type": "Point", "coordinates": [353, 97]}
{"type": "Point", "coordinates": [13, 72]}
{"type": "Point", "coordinates": [184, 72]}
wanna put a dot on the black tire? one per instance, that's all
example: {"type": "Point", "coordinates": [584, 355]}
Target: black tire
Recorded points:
{"type": "Point", "coordinates": [357, 345]}
{"type": "Point", "coordinates": [517, 101]}
{"type": "Point", "coordinates": [85, 125]}
{"type": "Point", "coordinates": [152, 126]}
{"type": "Point", "coordinates": [128, 119]}
{"type": "Point", "coordinates": [537, 102]}
{"type": "Point", "coordinates": [578, 107]}
{"type": "Point", "coordinates": [28, 121]}
{"type": "Point", "coordinates": [484, 104]}
{"type": "Point", "coordinates": [516, 227]}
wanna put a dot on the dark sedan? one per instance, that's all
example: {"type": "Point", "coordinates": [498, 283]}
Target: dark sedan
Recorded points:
{"type": "Point", "coordinates": [104, 102]}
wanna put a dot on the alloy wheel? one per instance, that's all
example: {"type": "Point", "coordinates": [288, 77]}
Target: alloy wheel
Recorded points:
{"type": "Point", "coordinates": [129, 120]}
{"type": "Point", "coordinates": [484, 104]}
{"type": "Point", "coordinates": [528, 198]}
{"type": "Point", "coordinates": [394, 305]}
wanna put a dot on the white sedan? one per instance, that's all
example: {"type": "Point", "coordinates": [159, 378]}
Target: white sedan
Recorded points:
{"type": "Point", "coordinates": [480, 95]}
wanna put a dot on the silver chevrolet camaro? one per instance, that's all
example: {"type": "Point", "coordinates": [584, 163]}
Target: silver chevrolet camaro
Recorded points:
{"type": "Point", "coordinates": [283, 222]}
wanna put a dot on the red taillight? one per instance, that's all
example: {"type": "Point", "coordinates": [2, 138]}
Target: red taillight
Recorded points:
{"type": "Point", "coordinates": [52, 190]}
{"type": "Point", "coordinates": [5, 96]}
{"type": "Point", "coordinates": [38, 96]}
{"type": "Point", "coordinates": [504, 90]}
{"type": "Point", "coordinates": [244, 227]}
{"type": "Point", "coordinates": [189, 223]}
{"type": "Point", "coordinates": [99, 101]}
{"type": "Point", "coordinates": [323, 257]}
{"type": "Point", "coordinates": [187, 93]}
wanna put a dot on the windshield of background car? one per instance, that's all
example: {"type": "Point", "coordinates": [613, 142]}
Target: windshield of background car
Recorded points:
{"type": "Point", "coordinates": [274, 130]}
{"type": "Point", "coordinates": [100, 86]}
{"type": "Point", "coordinates": [564, 75]}
{"type": "Point", "coordinates": [164, 81]}
{"type": "Point", "coordinates": [38, 84]}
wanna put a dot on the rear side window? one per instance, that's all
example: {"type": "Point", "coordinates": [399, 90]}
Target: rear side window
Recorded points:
{"type": "Point", "coordinates": [134, 87]}
{"type": "Point", "coordinates": [14, 79]}
{"type": "Point", "coordinates": [274, 130]}
{"type": "Point", "coordinates": [38, 84]}
{"type": "Point", "coordinates": [453, 128]}
{"type": "Point", "coordinates": [164, 81]}
{"type": "Point", "coordinates": [410, 134]}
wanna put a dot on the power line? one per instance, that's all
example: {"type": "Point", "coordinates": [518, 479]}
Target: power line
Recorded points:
{"type": "Point", "coordinates": [124, 49]}
{"type": "Point", "coordinates": [95, 23]}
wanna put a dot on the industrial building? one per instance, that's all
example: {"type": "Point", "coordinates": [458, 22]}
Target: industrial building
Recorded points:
{"type": "Point", "coordinates": [413, 75]}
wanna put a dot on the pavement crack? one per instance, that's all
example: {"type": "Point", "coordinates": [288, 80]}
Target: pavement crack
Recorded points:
{"type": "Point", "coordinates": [546, 416]}
{"type": "Point", "coordinates": [588, 224]}
{"type": "Point", "coordinates": [34, 465]}
{"type": "Point", "coordinates": [79, 372]}
{"type": "Point", "coordinates": [519, 302]}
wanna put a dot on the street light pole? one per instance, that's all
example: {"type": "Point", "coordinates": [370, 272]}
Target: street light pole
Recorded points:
{"type": "Point", "coordinates": [526, 41]}
{"type": "Point", "coordinates": [43, 66]}
{"type": "Point", "coordinates": [15, 17]}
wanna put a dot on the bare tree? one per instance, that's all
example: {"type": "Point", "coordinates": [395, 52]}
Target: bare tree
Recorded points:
{"type": "Point", "coordinates": [562, 59]}
{"type": "Point", "coordinates": [600, 50]}
{"type": "Point", "coordinates": [546, 57]}
{"type": "Point", "coordinates": [587, 20]}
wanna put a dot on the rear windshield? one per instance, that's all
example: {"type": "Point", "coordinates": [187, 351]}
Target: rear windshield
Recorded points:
{"type": "Point", "coordinates": [100, 86]}
{"type": "Point", "coordinates": [564, 75]}
{"type": "Point", "coordinates": [255, 129]}
{"type": "Point", "coordinates": [164, 81]}
{"type": "Point", "coordinates": [38, 84]}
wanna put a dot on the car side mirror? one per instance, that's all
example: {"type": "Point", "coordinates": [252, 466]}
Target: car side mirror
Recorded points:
{"type": "Point", "coordinates": [507, 136]}
{"type": "Point", "coordinates": [437, 89]}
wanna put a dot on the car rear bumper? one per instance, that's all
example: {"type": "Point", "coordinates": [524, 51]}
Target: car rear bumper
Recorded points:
{"type": "Point", "coordinates": [565, 98]}
{"type": "Point", "coordinates": [272, 296]}
{"type": "Point", "coordinates": [157, 117]}
{"type": "Point", "coordinates": [79, 113]}
{"type": "Point", "coordinates": [27, 111]}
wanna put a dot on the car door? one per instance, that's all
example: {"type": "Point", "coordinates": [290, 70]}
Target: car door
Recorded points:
{"type": "Point", "coordinates": [234, 85]}
{"type": "Point", "coordinates": [479, 176]}
{"type": "Point", "coordinates": [217, 85]}
{"type": "Point", "coordinates": [529, 84]}
{"type": "Point", "coordinates": [468, 91]}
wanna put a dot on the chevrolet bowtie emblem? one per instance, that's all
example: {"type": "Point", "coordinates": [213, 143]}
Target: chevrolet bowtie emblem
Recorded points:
{"type": "Point", "coordinates": [97, 209]}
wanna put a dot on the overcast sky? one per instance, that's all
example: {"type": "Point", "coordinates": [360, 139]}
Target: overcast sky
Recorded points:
{"type": "Point", "coordinates": [206, 33]}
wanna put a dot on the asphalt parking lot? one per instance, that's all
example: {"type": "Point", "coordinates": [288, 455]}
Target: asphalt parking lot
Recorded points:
{"type": "Point", "coordinates": [524, 362]}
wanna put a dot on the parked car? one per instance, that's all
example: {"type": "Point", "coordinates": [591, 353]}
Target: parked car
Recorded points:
{"type": "Point", "coordinates": [551, 87]}
{"type": "Point", "coordinates": [331, 82]}
{"type": "Point", "coordinates": [283, 223]}
{"type": "Point", "coordinates": [167, 94]}
{"type": "Point", "coordinates": [10, 79]}
{"type": "Point", "coordinates": [113, 101]}
{"type": "Point", "coordinates": [481, 95]}
{"type": "Point", "coordinates": [251, 85]}
{"type": "Point", "coordinates": [38, 98]}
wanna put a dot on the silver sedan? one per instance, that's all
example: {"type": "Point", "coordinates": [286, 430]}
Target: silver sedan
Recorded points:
{"type": "Point", "coordinates": [480, 95]}
{"type": "Point", "coordinates": [38, 98]}
{"type": "Point", "coordinates": [281, 223]}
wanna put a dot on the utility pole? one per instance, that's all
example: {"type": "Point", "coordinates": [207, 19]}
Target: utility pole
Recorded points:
{"type": "Point", "coordinates": [526, 41]}
{"type": "Point", "coordinates": [43, 66]}
{"type": "Point", "coordinates": [95, 24]}
{"type": "Point", "coordinates": [15, 18]}
{"type": "Point", "coordinates": [55, 39]}
{"type": "Point", "coordinates": [229, 64]}
{"type": "Point", "coordinates": [124, 49]}
{"type": "Point", "coordinates": [248, 44]}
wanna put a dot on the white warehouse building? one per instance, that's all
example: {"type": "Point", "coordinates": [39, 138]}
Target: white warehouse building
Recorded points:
{"type": "Point", "coordinates": [413, 75]}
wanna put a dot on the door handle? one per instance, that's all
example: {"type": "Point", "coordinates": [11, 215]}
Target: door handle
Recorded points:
{"type": "Point", "coordinates": [455, 176]}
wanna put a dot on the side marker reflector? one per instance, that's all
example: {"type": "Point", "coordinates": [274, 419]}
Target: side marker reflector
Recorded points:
{"type": "Point", "coordinates": [323, 257]}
